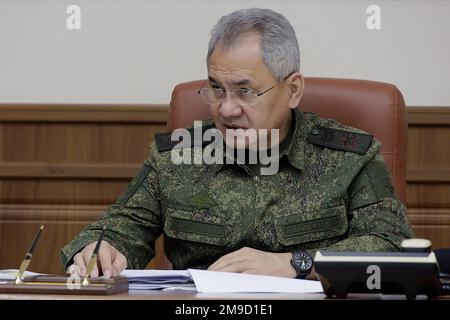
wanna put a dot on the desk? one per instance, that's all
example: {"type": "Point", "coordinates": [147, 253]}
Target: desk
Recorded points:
{"type": "Point", "coordinates": [181, 295]}
{"type": "Point", "coordinates": [166, 295]}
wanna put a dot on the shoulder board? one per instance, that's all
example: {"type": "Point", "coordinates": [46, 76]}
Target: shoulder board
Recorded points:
{"type": "Point", "coordinates": [340, 139]}
{"type": "Point", "coordinates": [164, 142]}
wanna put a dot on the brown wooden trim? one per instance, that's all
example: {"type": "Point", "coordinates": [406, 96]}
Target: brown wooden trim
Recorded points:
{"type": "Point", "coordinates": [428, 115]}
{"type": "Point", "coordinates": [434, 175]}
{"type": "Point", "coordinates": [429, 216]}
{"type": "Point", "coordinates": [67, 170]}
{"type": "Point", "coordinates": [417, 115]}
{"type": "Point", "coordinates": [83, 113]}
{"type": "Point", "coordinates": [43, 212]}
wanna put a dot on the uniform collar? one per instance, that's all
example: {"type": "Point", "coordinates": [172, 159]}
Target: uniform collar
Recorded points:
{"type": "Point", "coordinates": [294, 151]}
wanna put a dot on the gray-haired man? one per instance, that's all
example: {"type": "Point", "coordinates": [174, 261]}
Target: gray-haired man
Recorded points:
{"type": "Point", "coordinates": [228, 217]}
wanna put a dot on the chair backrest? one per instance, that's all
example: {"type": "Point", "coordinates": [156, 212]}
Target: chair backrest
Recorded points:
{"type": "Point", "coordinates": [375, 107]}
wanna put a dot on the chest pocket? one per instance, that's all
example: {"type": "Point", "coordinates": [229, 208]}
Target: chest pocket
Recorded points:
{"type": "Point", "coordinates": [197, 226]}
{"type": "Point", "coordinates": [314, 226]}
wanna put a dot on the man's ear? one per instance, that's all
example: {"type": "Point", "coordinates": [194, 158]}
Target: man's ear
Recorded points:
{"type": "Point", "coordinates": [296, 87]}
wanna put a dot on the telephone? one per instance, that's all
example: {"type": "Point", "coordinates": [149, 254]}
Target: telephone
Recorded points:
{"type": "Point", "coordinates": [413, 271]}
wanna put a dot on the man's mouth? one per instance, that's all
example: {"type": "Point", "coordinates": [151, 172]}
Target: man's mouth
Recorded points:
{"type": "Point", "coordinates": [233, 127]}
{"type": "Point", "coordinates": [235, 131]}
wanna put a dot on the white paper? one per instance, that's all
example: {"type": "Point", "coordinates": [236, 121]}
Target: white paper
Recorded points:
{"type": "Point", "coordinates": [214, 281]}
{"type": "Point", "coordinates": [11, 274]}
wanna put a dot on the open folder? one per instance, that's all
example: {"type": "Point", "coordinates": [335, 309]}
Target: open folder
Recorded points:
{"type": "Point", "coordinates": [213, 281]}
{"type": "Point", "coordinates": [159, 279]}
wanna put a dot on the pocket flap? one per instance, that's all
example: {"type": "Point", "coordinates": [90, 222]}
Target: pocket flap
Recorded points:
{"type": "Point", "coordinates": [196, 226]}
{"type": "Point", "coordinates": [307, 227]}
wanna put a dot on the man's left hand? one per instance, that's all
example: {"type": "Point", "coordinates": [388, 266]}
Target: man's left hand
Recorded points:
{"type": "Point", "coordinates": [249, 260]}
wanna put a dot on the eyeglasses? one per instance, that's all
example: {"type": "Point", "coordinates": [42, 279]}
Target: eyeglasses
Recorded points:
{"type": "Point", "coordinates": [242, 95]}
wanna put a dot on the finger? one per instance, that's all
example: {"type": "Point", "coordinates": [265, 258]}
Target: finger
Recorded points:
{"type": "Point", "coordinates": [254, 271]}
{"type": "Point", "coordinates": [86, 257]}
{"type": "Point", "coordinates": [235, 256]}
{"type": "Point", "coordinates": [79, 261]}
{"type": "Point", "coordinates": [221, 264]}
{"type": "Point", "coordinates": [237, 253]}
{"type": "Point", "coordinates": [95, 272]}
{"type": "Point", "coordinates": [222, 261]}
{"type": "Point", "coordinates": [119, 264]}
{"type": "Point", "coordinates": [74, 270]}
{"type": "Point", "coordinates": [104, 255]}
{"type": "Point", "coordinates": [218, 264]}
{"type": "Point", "coordinates": [227, 260]}
{"type": "Point", "coordinates": [235, 267]}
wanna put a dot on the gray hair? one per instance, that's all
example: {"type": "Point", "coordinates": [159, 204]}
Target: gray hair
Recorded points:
{"type": "Point", "coordinates": [279, 47]}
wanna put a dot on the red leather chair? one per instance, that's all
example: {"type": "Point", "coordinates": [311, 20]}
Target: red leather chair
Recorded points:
{"type": "Point", "coordinates": [375, 107]}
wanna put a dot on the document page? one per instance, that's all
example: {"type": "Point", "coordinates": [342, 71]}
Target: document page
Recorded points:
{"type": "Point", "coordinates": [213, 281]}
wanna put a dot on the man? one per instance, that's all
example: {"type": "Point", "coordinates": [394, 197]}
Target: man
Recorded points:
{"type": "Point", "coordinates": [229, 217]}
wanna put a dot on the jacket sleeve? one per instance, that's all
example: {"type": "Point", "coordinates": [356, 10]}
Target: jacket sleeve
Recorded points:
{"type": "Point", "coordinates": [377, 219]}
{"type": "Point", "coordinates": [133, 222]}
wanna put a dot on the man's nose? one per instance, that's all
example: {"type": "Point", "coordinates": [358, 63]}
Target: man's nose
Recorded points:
{"type": "Point", "coordinates": [230, 108]}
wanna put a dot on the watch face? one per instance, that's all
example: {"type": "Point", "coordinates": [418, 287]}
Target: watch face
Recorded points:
{"type": "Point", "coordinates": [303, 261]}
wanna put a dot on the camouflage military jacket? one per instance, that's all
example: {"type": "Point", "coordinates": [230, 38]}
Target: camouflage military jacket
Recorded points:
{"type": "Point", "coordinates": [327, 194]}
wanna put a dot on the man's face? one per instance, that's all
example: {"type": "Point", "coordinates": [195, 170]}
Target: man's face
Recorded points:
{"type": "Point", "coordinates": [239, 67]}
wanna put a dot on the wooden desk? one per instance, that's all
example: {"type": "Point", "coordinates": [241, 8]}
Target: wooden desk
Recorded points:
{"type": "Point", "coordinates": [181, 295]}
{"type": "Point", "coordinates": [165, 295]}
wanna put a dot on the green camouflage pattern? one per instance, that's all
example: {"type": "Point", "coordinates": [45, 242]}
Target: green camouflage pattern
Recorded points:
{"type": "Point", "coordinates": [321, 198]}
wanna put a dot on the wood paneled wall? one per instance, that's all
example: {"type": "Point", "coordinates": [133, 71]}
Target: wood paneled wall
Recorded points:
{"type": "Point", "coordinates": [428, 173]}
{"type": "Point", "coordinates": [61, 165]}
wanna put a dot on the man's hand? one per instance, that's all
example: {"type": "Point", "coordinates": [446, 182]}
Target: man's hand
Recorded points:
{"type": "Point", "coordinates": [248, 260]}
{"type": "Point", "coordinates": [109, 259]}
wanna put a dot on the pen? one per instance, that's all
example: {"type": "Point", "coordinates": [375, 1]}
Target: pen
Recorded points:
{"type": "Point", "coordinates": [27, 260]}
{"type": "Point", "coordinates": [93, 259]}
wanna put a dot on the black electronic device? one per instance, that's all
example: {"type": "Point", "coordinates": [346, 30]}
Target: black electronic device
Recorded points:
{"type": "Point", "coordinates": [411, 272]}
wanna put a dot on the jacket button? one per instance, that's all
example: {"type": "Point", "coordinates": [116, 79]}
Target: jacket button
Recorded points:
{"type": "Point", "coordinates": [315, 132]}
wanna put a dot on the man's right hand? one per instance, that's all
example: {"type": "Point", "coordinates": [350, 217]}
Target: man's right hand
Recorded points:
{"type": "Point", "coordinates": [110, 261]}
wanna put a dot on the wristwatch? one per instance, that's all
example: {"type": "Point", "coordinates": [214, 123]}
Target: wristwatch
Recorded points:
{"type": "Point", "coordinates": [302, 263]}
